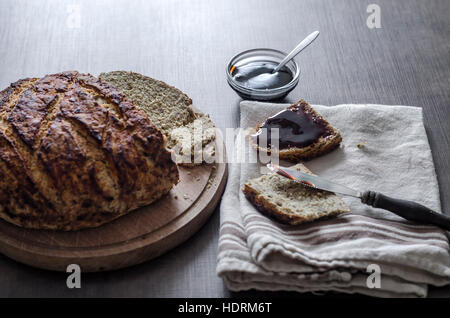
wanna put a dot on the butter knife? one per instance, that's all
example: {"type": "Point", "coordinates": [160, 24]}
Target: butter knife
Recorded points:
{"type": "Point", "coordinates": [407, 209]}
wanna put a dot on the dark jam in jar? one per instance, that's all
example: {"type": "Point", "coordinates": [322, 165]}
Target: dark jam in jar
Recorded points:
{"type": "Point", "coordinates": [258, 75]}
{"type": "Point", "coordinates": [296, 128]}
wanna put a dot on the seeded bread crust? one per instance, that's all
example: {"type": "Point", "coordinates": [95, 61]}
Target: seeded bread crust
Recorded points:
{"type": "Point", "coordinates": [323, 145]}
{"type": "Point", "coordinates": [76, 153]}
{"type": "Point", "coordinates": [266, 202]}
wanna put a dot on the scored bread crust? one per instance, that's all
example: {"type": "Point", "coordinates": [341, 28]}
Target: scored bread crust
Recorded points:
{"type": "Point", "coordinates": [270, 209]}
{"type": "Point", "coordinates": [323, 145]}
{"type": "Point", "coordinates": [76, 153]}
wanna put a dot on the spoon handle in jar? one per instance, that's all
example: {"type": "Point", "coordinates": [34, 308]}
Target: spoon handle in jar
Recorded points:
{"type": "Point", "coordinates": [300, 47]}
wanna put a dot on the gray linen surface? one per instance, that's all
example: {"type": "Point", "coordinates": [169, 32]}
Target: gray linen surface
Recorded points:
{"type": "Point", "coordinates": [256, 252]}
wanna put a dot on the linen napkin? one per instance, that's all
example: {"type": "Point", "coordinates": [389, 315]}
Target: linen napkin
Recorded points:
{"type": "Point", "coordinates": [339, 254]}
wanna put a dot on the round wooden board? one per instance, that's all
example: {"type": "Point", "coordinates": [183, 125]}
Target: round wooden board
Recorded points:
{"type": "Point", "coordinates": [132, 239]}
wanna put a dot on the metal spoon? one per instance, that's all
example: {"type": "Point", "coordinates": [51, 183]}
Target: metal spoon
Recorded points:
{"type": "Point", "coordinates": [300, 47]}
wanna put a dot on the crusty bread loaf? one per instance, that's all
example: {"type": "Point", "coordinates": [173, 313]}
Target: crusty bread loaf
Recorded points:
{"type": "Point", "coordinates": [326, 143]}
{"type": "Point", "coordinates": [76, 153]}
{"type": "Point", "coordinates": [291, 202]}
{"type": "Point", "coordinates": [170, 110]}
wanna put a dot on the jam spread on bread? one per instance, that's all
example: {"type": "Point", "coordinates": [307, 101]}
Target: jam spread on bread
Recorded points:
{"type": "Point", "coordinates": [296, 128]}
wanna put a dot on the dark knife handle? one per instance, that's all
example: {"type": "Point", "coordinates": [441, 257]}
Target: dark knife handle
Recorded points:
{"type": "Point", "coordinates": [407, 209]}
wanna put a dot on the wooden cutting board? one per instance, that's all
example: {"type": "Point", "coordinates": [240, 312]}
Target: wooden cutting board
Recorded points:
{"type": "Point", "coordinates": [132, 239]}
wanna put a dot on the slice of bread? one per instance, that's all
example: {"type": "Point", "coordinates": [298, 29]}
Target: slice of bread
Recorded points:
{"type": "Point", "coordinates": [167, 106]}
{"type": "Point", "coordinates": [324, 144]}
{"type": "Point", "coordinates": [290, 202]}
{"type": "Point", "coordinates": [171, 111]}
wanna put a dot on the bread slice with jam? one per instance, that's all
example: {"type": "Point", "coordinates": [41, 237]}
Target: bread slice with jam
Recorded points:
{"type": "Point", "coordinates": [303, 134]}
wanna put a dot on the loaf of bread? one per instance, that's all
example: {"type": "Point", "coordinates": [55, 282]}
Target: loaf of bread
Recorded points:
{"type": "Point", "coordinates": [170, 110]}
{"type": "Point", "coordinates": [75, 152]}
{"type": "Point", "coordinates": [290, 202]}
{"type": "Point", "coordinates": [329, 140]}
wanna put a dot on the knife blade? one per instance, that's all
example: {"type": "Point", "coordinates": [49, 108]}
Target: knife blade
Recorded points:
{"type": "Point", "coordinates": [409, 210]}
{"type": "Point", "coordinates": [313, 181]}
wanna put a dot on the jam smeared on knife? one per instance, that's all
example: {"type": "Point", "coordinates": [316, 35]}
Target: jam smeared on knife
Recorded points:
{"type": "Point", "coordinates": [258, 75]}
{"type": "Point", "coordinates": [296, 128]}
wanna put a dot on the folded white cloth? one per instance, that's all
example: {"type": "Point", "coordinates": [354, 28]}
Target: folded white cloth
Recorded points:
{"type": "Point", "coordinates": [256, 252]}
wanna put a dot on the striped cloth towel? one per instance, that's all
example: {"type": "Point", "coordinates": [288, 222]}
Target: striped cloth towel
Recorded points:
{"type": "Point", "coordinates": [338, 254]}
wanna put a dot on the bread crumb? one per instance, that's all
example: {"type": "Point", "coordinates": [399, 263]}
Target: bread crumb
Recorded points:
{"type": "Point", "coordinates": [361, 145]}
{"type": "Point", "coordinates": [185, 196]}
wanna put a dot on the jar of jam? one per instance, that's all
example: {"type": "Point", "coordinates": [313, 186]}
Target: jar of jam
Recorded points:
{"type": "Point", "coordinates": [251, 75]}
